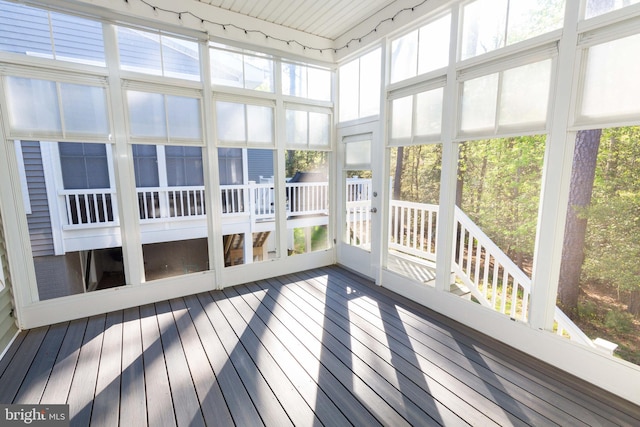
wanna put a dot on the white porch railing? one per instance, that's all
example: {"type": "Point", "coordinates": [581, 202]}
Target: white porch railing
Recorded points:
{"type": "Point", "coordinates": [171, 202]}
{"type": "Point", "coordinates": [492, 277]}
{"type": "Point", "coordinates": [90, 208]}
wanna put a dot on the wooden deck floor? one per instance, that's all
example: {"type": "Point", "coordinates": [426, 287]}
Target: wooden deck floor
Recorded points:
{"type": "Point", "coordinates": [323, 347]}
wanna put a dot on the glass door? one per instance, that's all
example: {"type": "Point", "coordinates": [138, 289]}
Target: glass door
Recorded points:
{"type": "Point", "coordinates": [359, 245]}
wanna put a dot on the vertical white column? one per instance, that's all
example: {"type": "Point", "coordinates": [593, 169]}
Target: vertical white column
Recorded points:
{"type": "Point", "coordinates": [555, 179]}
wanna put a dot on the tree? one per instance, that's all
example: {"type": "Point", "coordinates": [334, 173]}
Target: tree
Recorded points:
{"type": "Point", "coordinates": [583, 172]}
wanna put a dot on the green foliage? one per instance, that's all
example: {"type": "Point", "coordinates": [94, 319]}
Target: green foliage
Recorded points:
{"type": "Point", "coordinates": [306, 161]}
{"type": "Point", "coordinates": [619, 321]}
{"type": "Point", "coordinates": [500, 181]}
{"type": "Point", "coordinates": [421, 168]}
{"type": "Point", "coordinates": [613, 219]}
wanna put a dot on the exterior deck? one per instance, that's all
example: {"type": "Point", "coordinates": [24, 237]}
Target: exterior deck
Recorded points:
{"type": "Point", "coordinates": [323, 347]}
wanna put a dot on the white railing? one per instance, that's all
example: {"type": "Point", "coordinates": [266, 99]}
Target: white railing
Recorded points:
{"type": "Point", "coordinates": [492, 277]}
{"type": "Point", "coordinates": [90, 208]}
{"type": "Point", "coordinates": [358, 189]}
{"type": "Point", "coordinates": [171, 202]}
{"type": "Point", "coordinates": [307, 198]}
{"type": "Point", "coordinates": [412, 228]}
{"type": "Point", "coordinates": [359, 222]}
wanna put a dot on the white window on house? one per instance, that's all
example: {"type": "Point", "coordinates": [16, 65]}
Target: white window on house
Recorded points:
{"type": "Point", "coordinates": [516, 98]}
{"type": "Point", "coordinates": [416, 53]}
{"type": "Point", "coordinates": [308, 128]}
{"type": "Point", "coordinates": [610, 85]}
{"type": "Point", "coordinates": [417, 117]}
{"type": "Point", "coordinates": [244, 124]}
{"type": "Point", "coordinates": [305, 81]}
{"type": "Point", "coordinates": [241, 68]}
{"type": "Point", "coordinates": [598, 7]}
{"type": "Point", "coordinates": [158, 54]}
{"type": "Point", "coordinates": [491, 24]}
{"type": "Point", "coordinates": [53, 108]}
{"type": "Point", "coordinates": [170, 117]}
{"type": "Point", "coordinates": [51, 35]}
{"type": "Point", "coordinates": [360, 87]}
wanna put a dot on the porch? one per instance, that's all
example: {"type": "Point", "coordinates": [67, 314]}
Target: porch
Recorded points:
{"type": "Point", "coordinates": [323, 347]}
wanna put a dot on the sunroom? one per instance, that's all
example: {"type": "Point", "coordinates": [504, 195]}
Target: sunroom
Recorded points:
{"type": "Point", "coordinates": [474, 159]}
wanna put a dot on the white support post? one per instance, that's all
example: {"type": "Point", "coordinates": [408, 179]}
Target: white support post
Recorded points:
{"type": "Point", "coordinates": [555, 181]}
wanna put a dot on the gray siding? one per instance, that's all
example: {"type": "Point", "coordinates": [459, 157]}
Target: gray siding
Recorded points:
{"type": "Point", "coordinates": [8, 326]}
{"type": "Point", "coordinates": [260, 163]}
{"type": "Point", "coordinates": [39, 220]}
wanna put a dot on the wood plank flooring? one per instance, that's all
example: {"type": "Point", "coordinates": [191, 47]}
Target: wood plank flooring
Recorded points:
{"type": "Point", "coordinates": [322, 347]}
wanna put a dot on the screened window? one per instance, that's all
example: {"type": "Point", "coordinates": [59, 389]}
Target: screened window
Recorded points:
{"type": "Point", "coordinates": [360, 87]}
{"type": "Point", "coordinates": [308, 128]}
{"type": "Point", "coordinates": [164, 116]}
{"type": "Point", "coordinates": [34, 106]}
{"type": "Point", "coordinates": [158, 54]}
{"type": "Point", "coordinates": [36, 32]}
{"type": "Point", "coordinates": [514, 98]}
{"type": "Point", "coordinates": [84, 165]}
{"type": "Point", "coordinates": [611, 86]}
{"type": "Point", "coordinates": [244, 123]}
{"type": "Point", "coordinates": [306, 82]}
{"type": "Point", "coordinates": [491, 24]}
{"type": "Point", "coordinates": [417, 116]}
{"type": "Point", "coordinates": [423, 50]}
{"type": "Point", "coordinates": [598, 7]}
{"type": "Point", "coordinates": [237, 68]}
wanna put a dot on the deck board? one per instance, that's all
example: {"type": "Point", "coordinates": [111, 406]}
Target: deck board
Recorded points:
{"type": "Point", "coordinates": [321, 347]}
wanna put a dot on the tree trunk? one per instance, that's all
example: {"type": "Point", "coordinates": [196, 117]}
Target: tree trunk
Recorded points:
{"type": "Point", "coordinates": [397, 177]}
{"type": "Point", "coordinates": [462, 158]}
{"type": "Point", "coordinates": [634, 302]}
{"type": "Point", "coordinates": [581, 186]}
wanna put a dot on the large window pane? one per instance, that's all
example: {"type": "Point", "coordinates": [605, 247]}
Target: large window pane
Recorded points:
{"type": "Point", "coordinates": [598, 286]}
{"type": "Point", "coordinates": [33, 105]}
{"type": "Point", "coordinates": [413, 211]}
{"type": "Point", "coordinates": [172, 214]}
{"type": "Point", "coordinates": [74, 233]}
{"type": "Point", "coordinates": [248, 205]}
{"type": "Point", "coordinates": [498, 192]}
{"type": "Point", "coordinates": [370, 78]}
{"type": "Point", "coordinates": [17, 20]}
{"type": "Point", "coordinates": [611, 85]}
{"type": "Point", "coordinates": [307, 191]}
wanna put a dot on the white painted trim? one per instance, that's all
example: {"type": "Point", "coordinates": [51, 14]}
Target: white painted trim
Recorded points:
{"type": "Point", "coordinates": [23, 177]}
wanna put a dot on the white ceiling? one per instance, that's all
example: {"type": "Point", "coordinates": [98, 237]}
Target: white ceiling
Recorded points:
{"type": "Point", "coordinates": [325, 18]}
